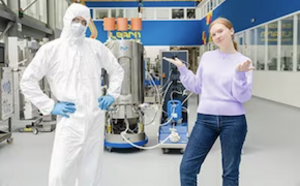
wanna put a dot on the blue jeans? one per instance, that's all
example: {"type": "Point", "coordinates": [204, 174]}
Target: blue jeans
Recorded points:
{"type": "Point", "coordinates": [232, 131]}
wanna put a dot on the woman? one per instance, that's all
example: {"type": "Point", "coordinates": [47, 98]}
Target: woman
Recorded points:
{"type": "Point", "coordinates": [224, 80]}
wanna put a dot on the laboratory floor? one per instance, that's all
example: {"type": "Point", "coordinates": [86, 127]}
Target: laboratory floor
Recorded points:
{"type": "Point", "coordinates": [271, 155]}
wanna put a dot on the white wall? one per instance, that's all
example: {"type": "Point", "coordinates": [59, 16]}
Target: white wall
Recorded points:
{"type": "Point", "coordinates": [154, 51]}
{"type": "Point", "coordinates": [283, 87]}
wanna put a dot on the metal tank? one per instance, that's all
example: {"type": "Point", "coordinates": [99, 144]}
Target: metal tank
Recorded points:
{"type": "Point", "coordinates": [126, 114]}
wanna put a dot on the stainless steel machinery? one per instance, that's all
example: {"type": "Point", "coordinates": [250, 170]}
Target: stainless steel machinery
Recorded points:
{"type": "Point", "coordinates": [20, 54]}
{"type": "Point", "coordinates": [125, 121]}
{"type": "Point", "coordinates": [6, 109]}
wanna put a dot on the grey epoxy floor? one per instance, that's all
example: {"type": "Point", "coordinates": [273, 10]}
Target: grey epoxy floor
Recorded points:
{"type": "Point", "coordinates": [271, 155]}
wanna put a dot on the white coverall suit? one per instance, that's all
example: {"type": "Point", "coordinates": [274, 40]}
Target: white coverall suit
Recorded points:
{"type": "Point", "coordinates": [72, 66]}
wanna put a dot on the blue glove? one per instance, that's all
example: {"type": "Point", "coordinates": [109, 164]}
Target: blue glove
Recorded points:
{"type": "Point", "coordinates": [105, 102]}
{"type": "Point", "coordinates": [62, 108]}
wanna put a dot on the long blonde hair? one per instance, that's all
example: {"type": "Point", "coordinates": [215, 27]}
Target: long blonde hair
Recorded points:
{"type": "Point", "coordinates": [226, 23]}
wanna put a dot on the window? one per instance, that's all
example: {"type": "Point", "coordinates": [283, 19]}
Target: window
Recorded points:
{"type": "Point", "coordinates": [60, 9]}
{"type": "Point", "coordinates": [117, 13]}
{"type": "Point", "coordinates": [198, 13]}
{"type": "Point", "coordinates": [272, 42]}
{"type": "Point", "coordinates": [260, 47]}
{"type": "Point", "coordinates": [250, 45]}
{"type": "Point", "coordinates": [190, 14]}
{"type": "Point", "coordinates": [240, 42]}
{"type": "Point", "coordinates": [211, 5]}
{"type": "Point", "coordinates": [131, 13]}
{"type": "Point", "coordinates": [178, 14]}
{"type": "Point", "coordinates": [149, 13]}
{"type": "Point", "coordinates": [43, 11]}
{"type": "Point", "coordinates": [202, 12]}
{"type": "Point", "coordinates": [38, 10]}
{"type": "Point", "coordinates": [101, 13]}
{"type": "Point", "coordinates": [207, 7]}
{"type": "Point", "coordinates": [286, 44]}
{"type": "Point", "coordinates": [162, 13]}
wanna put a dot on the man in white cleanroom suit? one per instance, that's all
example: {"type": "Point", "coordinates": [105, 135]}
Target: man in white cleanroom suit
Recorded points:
{"type": "Point", "coordinates": [72, 65]}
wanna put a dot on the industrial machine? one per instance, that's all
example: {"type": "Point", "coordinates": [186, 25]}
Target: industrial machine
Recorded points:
{"type": "Point", "coordinates": [6, 98]}
{"type": "Point", "coordinates": [152, 80]}
{"type": "Point", "coordinates": [125, 120]}
{"type": "Point", "coordinates": [174, 119]}
{"type": "Point", "coordinates": [20, 54]}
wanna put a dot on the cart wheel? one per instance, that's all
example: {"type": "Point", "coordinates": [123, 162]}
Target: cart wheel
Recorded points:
{"type": "Point", "coordinates": [165, 151]}
{"type": "Point", "coordinates": [35, 131]}
{"type": "Point", "coordinates": [10, 140]}
{"type": "Point", "coordinates": [182, 151]}
{"type": "Point", "coordinates": [109, 149]}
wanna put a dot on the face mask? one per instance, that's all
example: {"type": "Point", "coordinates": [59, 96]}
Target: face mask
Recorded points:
{"type": "Point", "coordinates": [77, 29]}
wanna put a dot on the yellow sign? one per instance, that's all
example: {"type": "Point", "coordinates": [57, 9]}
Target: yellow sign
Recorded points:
{"type": "Point", "coordinates": [209, 17]}
{"type": "Point", "coordinates": [210, 39]}
{"type": "Point", "coordinates": [272, 34]}
{"type": "Point", "coordinates": [203, 38]}
{"type": "Point", "coordinates": [125, 35]}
